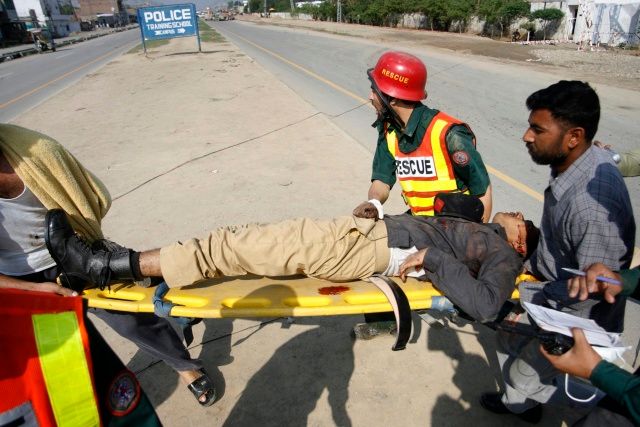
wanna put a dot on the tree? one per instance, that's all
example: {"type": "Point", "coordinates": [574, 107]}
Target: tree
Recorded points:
{"type": "Point", "coordinates": [459, 11]}
{"type": "Point", "coordinates": [328, 10]}
{"type": "Point", "coordinates": [255, 5]}
{"type": "Point", "coordinates": [502, 12]}
{"type": "Point", "coordinates": [547, 16]}
{"type": "Point", "coordinates": [489, 10]}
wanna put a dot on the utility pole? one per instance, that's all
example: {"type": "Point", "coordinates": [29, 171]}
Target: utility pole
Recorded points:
{"type": "Point", "coordinates": [265, 8]}
{"type": "Point", "coordinates": [293, 7]}
{"type": "Point", "coordinates": [50, 26]}
{"type": "Point", "coordinates": [339, 13]}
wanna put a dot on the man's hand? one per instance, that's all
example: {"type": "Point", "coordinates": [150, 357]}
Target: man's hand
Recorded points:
{"type": "Point", "coordinates": [50, 287]}
{"type": "Point", "coordinates": [414, 261]}
{"type": "Point", "coordinates": [53, 288]}
{"type": "Point", "coordinates": [579, 361]}
{"type": "Point", "coordinates": [366, 210]}
{"type": "Point", "coordinates": [581, 286]}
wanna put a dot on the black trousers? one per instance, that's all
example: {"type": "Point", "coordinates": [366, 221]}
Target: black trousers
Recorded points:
{"type": "Point", "coordinates": [150, 333]}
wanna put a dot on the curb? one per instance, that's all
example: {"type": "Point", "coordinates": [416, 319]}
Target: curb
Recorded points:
{"type": "Point", "coordinates": [79, 39]}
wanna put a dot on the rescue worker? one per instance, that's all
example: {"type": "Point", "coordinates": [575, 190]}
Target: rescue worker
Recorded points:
{"type": "Point", "coordinates": [428, 151]}
{"type": "Point", "coordinates": [57, 370]}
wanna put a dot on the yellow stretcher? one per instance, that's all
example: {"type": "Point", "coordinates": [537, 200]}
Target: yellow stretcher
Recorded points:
{"type": "Point", "coordinates": [252, 296]}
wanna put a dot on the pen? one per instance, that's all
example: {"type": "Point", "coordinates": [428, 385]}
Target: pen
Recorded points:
{"type": "Point", "coordinates": [600, 278]}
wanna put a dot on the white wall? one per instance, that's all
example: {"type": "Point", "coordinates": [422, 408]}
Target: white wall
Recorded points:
{"type": "Point", "coordinates": [64, 24]}
{"type": "Point", "coordinates": [598, 21]}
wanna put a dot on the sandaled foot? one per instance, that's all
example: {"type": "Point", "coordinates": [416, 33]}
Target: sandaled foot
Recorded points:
{"type": "Point", "coordinates": [203, 389]}
{"type": "Point", "coordinates": [368, 331]}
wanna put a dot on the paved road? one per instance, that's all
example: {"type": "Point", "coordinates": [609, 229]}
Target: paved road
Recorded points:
{"type": "Point", "coordinates": [328, 71]}
{"type": "Point", "coordinates": [27, 82]}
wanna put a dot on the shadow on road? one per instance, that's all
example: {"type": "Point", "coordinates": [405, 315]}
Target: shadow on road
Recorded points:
{"type": "Point", "coordinates": [286, 389]}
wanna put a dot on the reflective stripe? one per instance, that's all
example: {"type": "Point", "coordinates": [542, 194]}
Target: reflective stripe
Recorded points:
{"type": "Point", "coordinates": [65, 369]}
{"type": "Point", "coordinates": [427, 170]}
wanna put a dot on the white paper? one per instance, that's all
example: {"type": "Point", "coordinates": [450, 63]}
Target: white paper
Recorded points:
{"type": "Point", "coordinates": [557, 321]}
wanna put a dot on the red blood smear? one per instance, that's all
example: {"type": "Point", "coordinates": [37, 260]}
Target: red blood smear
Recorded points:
{"type": "Point", "coordinates": [333, 290]}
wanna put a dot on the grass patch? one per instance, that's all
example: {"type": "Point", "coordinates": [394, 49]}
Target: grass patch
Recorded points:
{"type": "Point", "coordinates": [150, 45]}
{"type": "Point", "coordinates": [208, 34]}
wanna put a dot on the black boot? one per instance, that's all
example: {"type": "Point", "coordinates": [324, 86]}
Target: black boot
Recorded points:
{"type": "Point", "coordinates": [78, 260]}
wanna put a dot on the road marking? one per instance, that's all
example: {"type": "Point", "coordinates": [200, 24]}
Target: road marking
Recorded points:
{"type": "Point", "coordinates": [63, 55]}
{"type": "Point", "coordinates": [50, 82]}
{"type": "Point", "coordinates": [304, 70]}
{"type": "Point", "coordinates": [493, 171]}
{"type": "Point", "coordinates": [515, 183]}
{"type": "Point", "coordinates": [5, 75]}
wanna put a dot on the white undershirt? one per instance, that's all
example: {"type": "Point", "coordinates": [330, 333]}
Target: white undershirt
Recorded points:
{"type": "Point", "coordinates": [396, 257]}
{"type": "Point", "coordinates": [22, 226]}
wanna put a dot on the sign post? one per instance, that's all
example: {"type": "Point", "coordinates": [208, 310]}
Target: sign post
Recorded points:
{"type": "Point", "coordinates": [167, 22]}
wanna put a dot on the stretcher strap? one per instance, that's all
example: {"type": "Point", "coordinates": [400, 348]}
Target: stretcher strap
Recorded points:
{"type": "Point", "coordinates": [401, 308]}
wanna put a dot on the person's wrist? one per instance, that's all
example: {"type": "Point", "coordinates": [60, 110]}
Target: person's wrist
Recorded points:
{"type": "Point", "coordinates": [378, 205]}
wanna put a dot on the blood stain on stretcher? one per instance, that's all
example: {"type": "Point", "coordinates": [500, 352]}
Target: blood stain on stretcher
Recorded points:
{"type": "Point", "coordinates": [333, 290]}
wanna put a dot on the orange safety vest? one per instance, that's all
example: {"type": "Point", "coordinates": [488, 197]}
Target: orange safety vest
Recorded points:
{"type": "Point", "coordinates": [46, 371]}
{"type": "Point", "coordinates": [427, 170]}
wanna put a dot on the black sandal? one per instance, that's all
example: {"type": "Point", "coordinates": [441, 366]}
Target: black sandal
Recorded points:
{"type": "Point", "coordinates": [203, 387]}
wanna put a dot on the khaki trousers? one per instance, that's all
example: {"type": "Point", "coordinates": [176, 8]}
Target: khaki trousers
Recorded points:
{"type": "Point", "coordinates": [345, 248]}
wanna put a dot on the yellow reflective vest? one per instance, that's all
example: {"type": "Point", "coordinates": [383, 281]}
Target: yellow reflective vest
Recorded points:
{"type": "Point", "coordinates": [46, 372]}
{"type": "Point", "coordinates": [427, 170]}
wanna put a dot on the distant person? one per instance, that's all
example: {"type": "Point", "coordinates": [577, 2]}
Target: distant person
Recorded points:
{"type": "Point", "coordinates": [37, 174]}
{"type": "Point", "coordinates": [587, 218]}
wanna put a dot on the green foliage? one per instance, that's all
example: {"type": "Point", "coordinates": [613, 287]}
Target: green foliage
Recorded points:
{"type": "Point", "coordinates": [547, 16]}
{"type": "Point", "coordinates": [550, 14]}
{"type": "Point", "coordinates": [440, 14]}
{"type": "Point", "coordinates": [282, 5]}
{"type": "Point", "coordinates": [328, 10]}
{"type": "Point", "coordinates": [150, 45]}
{"type": "Point", "coordinates": [502, 12]}
{"type": "Point", "coordinates": [256, 5]}
{"type": "Point", "coordinates": [208, 34]}
{"type": "Point", "coordinates": [66, 8]}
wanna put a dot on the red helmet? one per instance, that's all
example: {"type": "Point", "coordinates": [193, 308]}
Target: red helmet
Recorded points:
{"type": "Point", "coordinates": [400, 75]}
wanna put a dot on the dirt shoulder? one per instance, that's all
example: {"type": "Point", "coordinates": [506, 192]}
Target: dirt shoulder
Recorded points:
{"type": "Point", "coordinates": [614, 67]}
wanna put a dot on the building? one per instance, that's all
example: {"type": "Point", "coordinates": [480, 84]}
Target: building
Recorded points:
{"type": "Point", "coordinates": [57, 15]}
{"type": "Point", "coordinates": [610, 22]}
{"type": "Point", "coordinates": [12, 31]}
{"type": "Point", "coordinates": [111, 13]}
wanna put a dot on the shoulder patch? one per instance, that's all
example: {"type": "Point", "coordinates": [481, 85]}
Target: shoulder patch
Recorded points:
{"type": "Point", "coordinates": [124, 394]}
{"type": "Point", "coordinates": [460, 158]}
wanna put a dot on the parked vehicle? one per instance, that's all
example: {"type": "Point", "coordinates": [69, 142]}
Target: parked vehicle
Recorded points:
{"type": "Point", "coordinates": [42, 39]}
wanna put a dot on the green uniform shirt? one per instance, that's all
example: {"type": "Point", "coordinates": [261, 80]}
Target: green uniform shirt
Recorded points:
{"type": "Point", "coordinates": [619, 384]}
{"type": "Point", "coordinates": [630, 163]}
{"type": "Point", "coordinates": [472, 175]}
{"type": "Point", "coordinates": [622, 386]}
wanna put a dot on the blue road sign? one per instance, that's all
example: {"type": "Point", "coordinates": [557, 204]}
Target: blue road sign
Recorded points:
{"type": "Point", "coordinates": [165, 22]}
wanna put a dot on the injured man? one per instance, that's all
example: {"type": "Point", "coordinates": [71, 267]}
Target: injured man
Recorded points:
{"type": "Point", "coordinates": [475, 265]}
